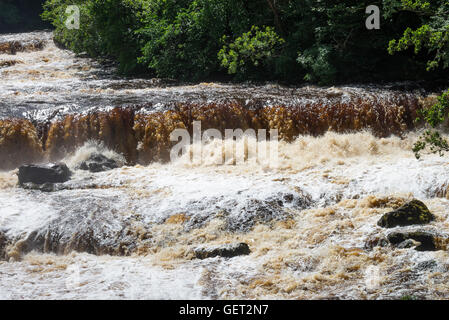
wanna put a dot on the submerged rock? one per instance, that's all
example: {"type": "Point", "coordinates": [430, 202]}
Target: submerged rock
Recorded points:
{"type": "Point", "coordinates": [226, 250]}
{"type": "Point", "coordinates": [275, 208]}
{"type": "Point", "coordinates": [413, 212]}
{"type": "Point", "coordinates": [376, 241]}
{"type": "Point", "coordinates": [409, 243]}
{"type": "Point", "coordinates": [97, 230]}
{"type": "Point", "coordinates": [3, 244]}
{"type": "Point", "coordinates": [46, 187]}
{"type": "Point", "coordinates": [42, 174]}
{"type": "Point", "coordinates": [255, 211]}
{"type": "Point", "coordinates": [98, 163]}
{"type": "Point", "coordinates": [427, 265]}
{"type": "Point", "coordinates": [426, 241]}
{"type": "Point", "coordinates": [9, 63]}
{"type": "Point", "coordinates": [12, 47]}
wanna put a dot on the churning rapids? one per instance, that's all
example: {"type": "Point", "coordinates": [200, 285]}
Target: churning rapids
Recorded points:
{"type": "Point", "coordinates": [344, 159]}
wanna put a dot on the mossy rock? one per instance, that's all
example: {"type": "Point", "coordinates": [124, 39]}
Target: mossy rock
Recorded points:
{"type": "Point", "coordinates": [413, 212]}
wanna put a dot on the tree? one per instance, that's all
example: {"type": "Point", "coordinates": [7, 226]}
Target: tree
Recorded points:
{"type": "Point", "coordinates": [318, 41]}
{"type": "Point", "coordinates": [432, 35]}
{"type": "Point", "coordinates": [253, 53]}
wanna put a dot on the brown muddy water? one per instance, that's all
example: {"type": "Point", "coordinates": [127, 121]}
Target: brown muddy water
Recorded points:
{"type": "Point", "coordinates": [130, 233]}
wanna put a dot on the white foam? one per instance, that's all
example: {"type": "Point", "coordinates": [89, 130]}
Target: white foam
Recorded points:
{"type": "Point", "coordinates": [21, 214]}
{"type": "Point", "coordinates": [83, 276]}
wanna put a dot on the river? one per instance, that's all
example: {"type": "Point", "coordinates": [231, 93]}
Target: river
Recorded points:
{"type": "Point", "coordinates": [344, 159]}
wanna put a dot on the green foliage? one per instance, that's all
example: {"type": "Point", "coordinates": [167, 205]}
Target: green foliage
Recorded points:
{"type": "Point", "coordinates": [106, 28]}
{"type": "Point", "coordinates": [317, 60]}
{"type": "Point", "coordinates": [434, 116]}
{"type": "Point", "coordinates": [431, 39]}
{"type": "Point", "coordinates": [432, 35]}
{"type": "Point", "coordinates": [321, 41]}
{"type": "Point", "coordinates": [183, 38]}
{"type": "Point", "coordinates": [254, 50]}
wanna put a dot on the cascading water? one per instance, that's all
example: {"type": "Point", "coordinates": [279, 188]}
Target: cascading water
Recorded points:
{"type": "Point", "coordinates": [344, 159]}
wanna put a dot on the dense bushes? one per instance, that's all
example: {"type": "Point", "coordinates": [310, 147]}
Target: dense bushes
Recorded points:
{"type": "Point", "coordinates": [321, 41]}
{"type": "Point", "coordinates": [107, 28]}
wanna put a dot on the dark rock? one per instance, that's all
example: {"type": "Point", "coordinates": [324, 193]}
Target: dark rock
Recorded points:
{"type": "Point", "coordinates": [289, 197]}
{"type": "Point", "coordinates": [3, 244]}
{"type": "Point", "coordinates": [226, 250]}
{"type": "Point", "coordinates": [413, 212]}
{"type": "Point", "coordinates": [98, 163]}
{"type": "Point", "coordinates": [427, 241]}
{"type": "Point", "coordinates": [41, 174]}
{"type": "Point", "coordinates": [376, 241]}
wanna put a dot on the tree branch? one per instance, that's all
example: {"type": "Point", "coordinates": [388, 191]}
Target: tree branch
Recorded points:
{"type": "Point", "coordinates": [276, 15]}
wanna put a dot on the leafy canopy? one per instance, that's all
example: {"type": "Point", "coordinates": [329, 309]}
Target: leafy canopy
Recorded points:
{"type": "Point", "coordinates": [320, 41]}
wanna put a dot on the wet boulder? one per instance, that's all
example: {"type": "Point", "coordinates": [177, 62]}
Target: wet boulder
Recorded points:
{"type": "Point", "coordinates": [411, 213]}
{"type": "Point", "coordinates": [226, 251]}
{"type": "Point", "coordinates": [421, 240]}
{"type": "Point", "coordinates": [98, 163]}
{"type": "Point", "coordinates": [42, 174]}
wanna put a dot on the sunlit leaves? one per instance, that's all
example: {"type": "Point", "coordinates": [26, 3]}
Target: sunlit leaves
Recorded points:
{"type": "Point", "coordinates": [254, 48]}
{"type": "Point", "coordinates": [433, 35]}
{"type": "Point", "coordinates": [434, 116]}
